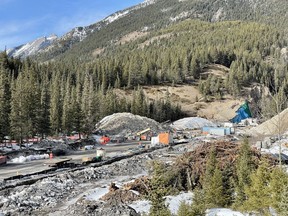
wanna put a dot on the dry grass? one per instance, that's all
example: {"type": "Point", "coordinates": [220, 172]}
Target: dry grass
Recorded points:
{"type": "Point", "coordinates": [185, 96]}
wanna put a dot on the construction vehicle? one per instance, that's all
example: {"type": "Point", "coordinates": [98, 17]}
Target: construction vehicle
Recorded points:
{"type": "Point", "coordinates": [87, 160]}
{"type": "Point", "coordinates": [142, 135]}
{"type": "Point", "coordinates": [100, 153]}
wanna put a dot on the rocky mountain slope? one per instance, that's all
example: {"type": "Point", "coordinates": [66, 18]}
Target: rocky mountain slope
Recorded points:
{"type": "Point", "coordinates": [152, 15]}
{"type": "Point", "coordinates": [33, 47]}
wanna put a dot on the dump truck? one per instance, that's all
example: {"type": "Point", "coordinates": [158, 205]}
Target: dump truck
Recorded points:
{"type": "Point", "coordinates": [3, 160]}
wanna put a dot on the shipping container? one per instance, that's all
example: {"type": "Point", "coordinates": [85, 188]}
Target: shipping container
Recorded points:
{"type": "Point", "coordinates": [165, 138]}
{"type": "Point", "coordinates": [216, 131]}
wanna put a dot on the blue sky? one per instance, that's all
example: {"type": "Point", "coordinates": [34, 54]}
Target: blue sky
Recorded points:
{"type": "Point", "coordinates": [22, 21]}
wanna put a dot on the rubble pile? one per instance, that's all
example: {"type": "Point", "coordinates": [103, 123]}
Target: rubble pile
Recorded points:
{"type": "Point", "coordinates": [126, 123]}
{"type": "Point", "coordinates": [100, 208]}
{"type": "Point", "coordinates": [45, 194]}
{"type": "Point", "coordinates": [52, 144]}
{"type": "Point", "coordinates": [42, 194]}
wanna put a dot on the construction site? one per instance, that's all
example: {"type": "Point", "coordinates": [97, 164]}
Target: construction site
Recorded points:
{"type": "Point", "coordinates": [107, 172]}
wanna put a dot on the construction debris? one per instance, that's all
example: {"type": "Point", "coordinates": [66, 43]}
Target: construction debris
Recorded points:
{"type": "Point", "coordinates": [194, 162]}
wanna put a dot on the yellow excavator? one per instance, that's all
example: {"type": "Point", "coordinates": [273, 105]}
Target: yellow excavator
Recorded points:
{"type": "Point", "coordinates": [140, 135]}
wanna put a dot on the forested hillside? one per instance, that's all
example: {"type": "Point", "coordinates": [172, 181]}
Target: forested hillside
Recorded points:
{"type": "Point", "coordinates": [51, 99]}
{"type": "Point", "coordinates": [70, 95]}
{"type": "Point", "coordinates": [162, 13]}
{"type": "Point", "coordinates": [71, 88]}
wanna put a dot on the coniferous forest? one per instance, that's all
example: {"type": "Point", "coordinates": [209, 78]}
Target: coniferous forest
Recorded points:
{"type": "Point", "coordinates": [72, 94]}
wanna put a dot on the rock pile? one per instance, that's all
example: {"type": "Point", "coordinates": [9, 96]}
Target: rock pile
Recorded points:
{"type": "Point", "coordinates": [127, 123]}
{"type": "Point", "coordinates": [46, 194]}
{"type": "Point", "coordinates": [191, 123]}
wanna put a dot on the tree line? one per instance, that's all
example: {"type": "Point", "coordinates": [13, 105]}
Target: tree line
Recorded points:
{"type": "Point", "coordinates": [179, 52]}
{"type": "Point", "coordinates": [48, 99]}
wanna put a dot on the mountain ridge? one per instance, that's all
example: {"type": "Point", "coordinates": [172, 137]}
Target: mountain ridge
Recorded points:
{"type": "Point", "coordinates": [155, 14]}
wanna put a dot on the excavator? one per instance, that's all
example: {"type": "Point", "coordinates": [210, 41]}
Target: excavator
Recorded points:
{"type": "Point", "coordinates": [141, 136]}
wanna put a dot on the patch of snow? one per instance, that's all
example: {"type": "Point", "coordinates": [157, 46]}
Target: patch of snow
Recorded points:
{"type": "Point", "coordinates": [173, 202]}
{"type": "Point", "coordinates": [23, 159]}
{"type": "Point", "coordinates": [222, 212]}
{"type": "Point", "coordinates": [141, 206]}
{"type": "Point", "coordinates": [97, 194]}
{"type": "Point", "coordinates": [217, 15]}
{"type": "Point", "coordinates": [180, 16]}
{"type": "Point", "coordinates": [33, 47]}
{"type": "Point", "coordinates": [116, 16]}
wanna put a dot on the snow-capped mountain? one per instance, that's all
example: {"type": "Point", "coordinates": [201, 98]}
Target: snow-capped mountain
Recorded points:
{"type": "Point", "coordinates": [33, 47]}
{"type": "Point", "coordinates": [81, 42]}
{"type": "Point", "coordinates": [78, 34]}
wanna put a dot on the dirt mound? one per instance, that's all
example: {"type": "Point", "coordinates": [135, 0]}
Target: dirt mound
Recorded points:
{"type": "Point", "coordinates": [140, 185]}
{"type": "Point", "coordinates": [273, 126]}
{"type": "Point", "coordinates": [120, 196]}
{"type": "Point", "coordinates": [127, 123]}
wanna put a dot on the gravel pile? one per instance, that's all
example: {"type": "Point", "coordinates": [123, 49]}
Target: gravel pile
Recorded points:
{"type": "Point", "coordinates": [191, 123]}
{"type": "Point", "coordinates": [127, 123]}
{"type": "Point", "coordinates": [273, 125]}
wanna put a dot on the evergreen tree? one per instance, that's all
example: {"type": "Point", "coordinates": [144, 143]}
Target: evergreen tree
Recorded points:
{"type": "Point", "coordinates": [44, 115]}
{"type": "Point", "coordinates": [55, 105]}
{"type": "Point", "coordinates": [244, 167]}
{"type": "Point", "coordinates": [158, 189]}
{"type": "Point", "coordinates": [198, 207]}
{"type": "Point", "coordinates": [184, 209]}
{"type": "Point", "coordinates": [279, 180]}
{"type": "Point", "coordinates": [17, 117]}
{"type": "Point", "coordinates": [283, 202]}
{"type": "Point", "coordinates": [213, 183]}
{"type": "Point", "coordinates": [259, 193]}
{"type": "Point", "coordinates": [5, 96]}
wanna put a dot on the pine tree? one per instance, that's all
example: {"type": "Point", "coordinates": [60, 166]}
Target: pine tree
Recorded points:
{"type": "Point", "coordinates": [67, 117]}
{"type": "Point", "coordinates": [158, 189]}
{"type": "Point", "coordinates": [5, 96]}
{"type": "Point", "coordinates": [213, 183]}
{"type": "Point", "coordinates": [44, 115]}
{"type": "Point", "coordinates": [279, 180]}
{"type": "Point", "coordinates": [198, 204]}
{"type": "Point", "coordinates": [55, 105]}
{"type": "Point", "coordinates": [184, 209]}
{"type": "Point", "coordinates": [244, 167]}
{"type": "Point", "coordinates": [283, 202]}
{"type": "Point", "coordinates": [259, 193]}
{"type": "Point", "coordinates": [17, 117]}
